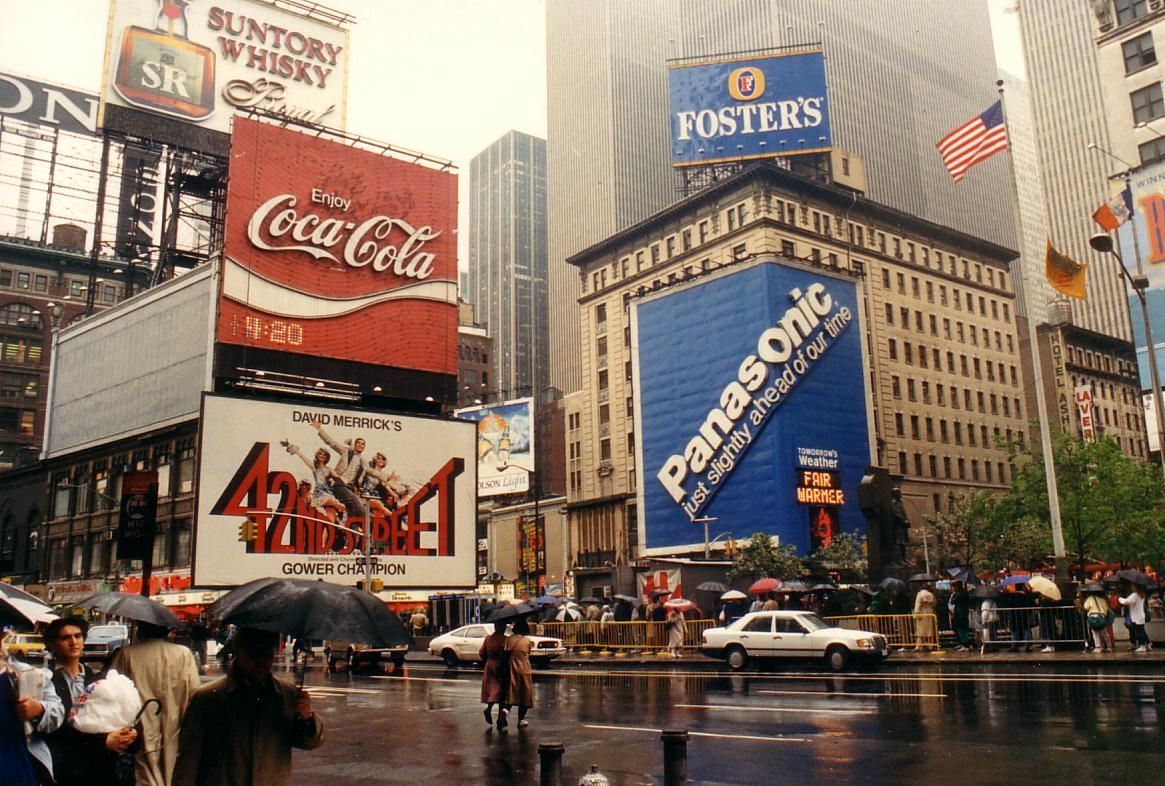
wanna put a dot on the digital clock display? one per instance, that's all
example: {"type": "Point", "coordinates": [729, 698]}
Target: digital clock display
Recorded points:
{"type": "Point", "coordinates": [271, 331]}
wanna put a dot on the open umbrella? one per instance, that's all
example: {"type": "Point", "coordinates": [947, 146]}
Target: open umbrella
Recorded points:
{"type": "Point", "coordinates": [922, 577]}
{"type": "Point", "coordinates": [568, 614]}
{"type": "Point", "coordinates": [683, 604]}
{"type": "Point", "coordinates": [510, 612]}
{"type": "Point", "coordinates": [656, 593]}
{"type": "Point", "coordinates": [1019, 578]}
{"type": "Point", "coordinates": [1093, 586]}
{"type": "Point", "coordinates": [986, 592]}
{"type": "Point", "coordinates": [712, 586]}
{"type": "Point", "coordinates": [764, 585]}
{"type": "Point", "coordinates": [628, 598]}
{"type": "Point", "coordinates": [132, 606]}
{"type": "Point", "coordinates": [892, 584]}
{"type": "Point", "coordinates": [21, 611]}
{"type": "Point", "coordinates": [547, 600]}
{"type": "Point", "coordinates": [1134, 577]}
{"type": "Point", "coordinates": [592, 600]}
{"type": "Point", "coordinates": [964, 574]}
{"type": "Point", "coordinates": [734, 595]}
{"type": "Point", "coordinates": [306, 609]}
{"type": "Point", "coordinates": [1045, 587]}
{"type": "Point", "coordinates": [795, 585]}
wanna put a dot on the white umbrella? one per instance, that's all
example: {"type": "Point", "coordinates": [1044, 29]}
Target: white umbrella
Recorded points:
{"type": "Point", "coordinates": [568, 614]}
{"type": "Point", "coordinates": [32, 610]}
{"type": "Point", "coordinates": [734, 595]}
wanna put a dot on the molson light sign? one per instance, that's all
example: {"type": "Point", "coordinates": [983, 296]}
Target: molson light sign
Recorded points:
{"type": "Point", "coordinates": [761, 106]}
{"type": "Point", "coordinates": [334, 251]}
{"type": "Point", "coordinates": [753, 406]}
{"type": "Point", "coordinates": [201, 60]}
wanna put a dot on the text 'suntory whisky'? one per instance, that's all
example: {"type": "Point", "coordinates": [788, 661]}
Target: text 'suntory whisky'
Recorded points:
{"type": "Point", "coordinates": [164, 71]}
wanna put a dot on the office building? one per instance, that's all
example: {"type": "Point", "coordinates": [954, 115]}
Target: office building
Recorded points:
{"type": "Point", "coordinates": [947, 383]}
{"type": "Point", "coordinates": [898, 79]}
{"type": "Point", "coordinates": [507, 260]}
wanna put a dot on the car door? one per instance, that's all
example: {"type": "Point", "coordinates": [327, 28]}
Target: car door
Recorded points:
{"type": "Point", "coordinates": [756, 636]}
{"type": "Point", "coordinates": [469, 643]}
{"type": "Point", "coordinates": [790, 638]}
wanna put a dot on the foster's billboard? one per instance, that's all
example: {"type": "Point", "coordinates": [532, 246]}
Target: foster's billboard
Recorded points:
{"type": "Point", "coordinates": [756, 107]}
{"type": "Point", "coordinates": [333, 251]}
{"type": "Point", "coordinates": [753, 407]}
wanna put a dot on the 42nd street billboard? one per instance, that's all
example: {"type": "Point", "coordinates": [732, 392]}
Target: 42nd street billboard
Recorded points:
{"type": "Point", "coordinates": [754, 407]}
{"type": "Point", "coordinates": [288, 490]}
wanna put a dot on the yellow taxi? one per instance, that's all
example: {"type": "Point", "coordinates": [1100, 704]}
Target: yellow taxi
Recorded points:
{"type": "Point", "coordinates": [25, 646]}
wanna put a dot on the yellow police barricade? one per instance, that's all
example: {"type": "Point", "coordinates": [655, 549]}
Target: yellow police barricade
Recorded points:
{"type": "Point", "coordinates": [622, 638]}
{"type": "Point", "coordinates": [901, 630]}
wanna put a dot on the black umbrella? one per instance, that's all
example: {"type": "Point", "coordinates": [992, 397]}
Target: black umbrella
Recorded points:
{"type": "Point", "coordinates": [132, 606]}
{"type": "Point", "coordinates": [892, 584]}
{"type": "Point", "coordinates": [923, 577]}
{"type": "Point", "coordinates": [1134, 577]}
{"type": "Point", "coordinates": [986, 592]}
{"type": "Point", "coordinates": [823, 588]}
{"type": "Point", "coordinates": [628, 598]}
{"type": "Point", "coordinates": [307, 609]}
{"type": "Point", "coordinates": [1093, 586]}
{"type": "Point", "coordinates": [591, 600]}
{"type": "Point", "coordinates": [712, 586]}
{"type": "Point", "coordinates": [655, 593]}
{"type": "Point", "coordinates": [794, 585]}
{"type": "Point", "coordinates": [511, 612]}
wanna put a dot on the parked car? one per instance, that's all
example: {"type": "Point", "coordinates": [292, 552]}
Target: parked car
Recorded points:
{"type": "Point", "coordinates": [358, 656]}
{"type": "Point", "coordinates": [791, 634]}
{"type": "Point", "coordinates": [24, 646]}
{"type": "Point", "coordinates": [462, 645]}
{"type": "Point", "coordinates": [103, 641]}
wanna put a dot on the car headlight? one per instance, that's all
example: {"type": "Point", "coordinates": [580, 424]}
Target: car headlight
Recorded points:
{"type": "Point", "coordinates": [865, 643]}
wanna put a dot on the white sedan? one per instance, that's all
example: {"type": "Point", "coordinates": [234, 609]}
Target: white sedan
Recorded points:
{"type": "Point", "coordinates": [791, 634]}
{"type": "Point", "coordinates": [463, 644]}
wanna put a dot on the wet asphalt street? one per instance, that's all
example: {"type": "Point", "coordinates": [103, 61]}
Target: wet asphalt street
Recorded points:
{"type": "Point", "coordinates": [973, 724]}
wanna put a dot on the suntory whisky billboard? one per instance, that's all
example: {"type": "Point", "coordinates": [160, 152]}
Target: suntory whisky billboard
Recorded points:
{"type": "Point", "coordinates": [200, 61]}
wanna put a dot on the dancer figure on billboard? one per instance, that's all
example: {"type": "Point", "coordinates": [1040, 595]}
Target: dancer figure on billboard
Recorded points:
{"type": "Point", "coordinates": [349, 471]}
{"type": "Point", "coordinates": [379, 487]}
{"type": "Point", "coordinates": [322, 498]}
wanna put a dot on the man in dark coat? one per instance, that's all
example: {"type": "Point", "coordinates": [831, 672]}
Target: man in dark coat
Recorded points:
{"type": "Point", "coordinates": [239, 730]}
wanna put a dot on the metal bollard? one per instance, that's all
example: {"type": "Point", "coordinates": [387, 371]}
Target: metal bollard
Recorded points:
{"type": "Point", "coordinates": [550, 763]}
{"type": "Point", "coordinates": [675, 757]}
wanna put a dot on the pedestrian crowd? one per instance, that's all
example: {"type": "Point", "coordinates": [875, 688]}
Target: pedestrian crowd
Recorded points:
{"type": "Point", "coordinates": [73, 725]}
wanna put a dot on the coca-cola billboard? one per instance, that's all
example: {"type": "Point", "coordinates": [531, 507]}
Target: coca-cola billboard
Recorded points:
{"type": "Point", "coordinates": [335, 251]}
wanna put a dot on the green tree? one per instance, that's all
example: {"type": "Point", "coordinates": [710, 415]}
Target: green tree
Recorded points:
{"type": "Point", "coordinates": [760, 557]}
{"type": "Point", "coordinates": [967, 532]}
{"type": "Point", "coordinates": [1101, 492]}
{"type": "Point", "coordinates": [846, 554]}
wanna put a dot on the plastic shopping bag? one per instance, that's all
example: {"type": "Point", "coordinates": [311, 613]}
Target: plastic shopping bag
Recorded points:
{"type": "Point", "coordinates": [109, 704]}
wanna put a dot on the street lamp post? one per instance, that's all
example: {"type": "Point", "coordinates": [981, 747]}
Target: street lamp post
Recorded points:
{"type": "Point", "coordinates": [1102, 242]}
{"type": "Point", "coordinates": [706, 520]}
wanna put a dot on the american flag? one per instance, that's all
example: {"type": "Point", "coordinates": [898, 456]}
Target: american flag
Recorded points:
{"type": "Point", "coordinates": [974, 141]}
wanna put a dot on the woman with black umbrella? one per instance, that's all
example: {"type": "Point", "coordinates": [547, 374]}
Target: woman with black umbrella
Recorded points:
{"type": "Point", "coordinates": [495, 677]}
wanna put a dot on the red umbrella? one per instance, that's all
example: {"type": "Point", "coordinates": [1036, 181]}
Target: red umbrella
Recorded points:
{"type": "Point", "coordinates": [683, 604]}
{"type": "Point", "coordinates": [764, 585]}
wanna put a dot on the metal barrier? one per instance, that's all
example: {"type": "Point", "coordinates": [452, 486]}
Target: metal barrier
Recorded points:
{"type": "Point", "coordinates": [1034, 625]}
{"type": "Point", "coordinates": [900, 630]}
{"type": "Point", "coordinates": [622, 637]}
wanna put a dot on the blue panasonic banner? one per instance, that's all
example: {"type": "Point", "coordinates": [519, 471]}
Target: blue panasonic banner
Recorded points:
{"type": "Point", "coordinates": [753, 408]}
{"type": "Point", "coordinates": [756, 107]}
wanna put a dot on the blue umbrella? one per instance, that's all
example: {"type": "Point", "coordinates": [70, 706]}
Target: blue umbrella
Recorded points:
{"type": "Point", "coordinates": [1017, 579]}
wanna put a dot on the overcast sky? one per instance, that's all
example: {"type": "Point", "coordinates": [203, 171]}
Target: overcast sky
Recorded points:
{"type": "Point", "coordinates": [445, 77]}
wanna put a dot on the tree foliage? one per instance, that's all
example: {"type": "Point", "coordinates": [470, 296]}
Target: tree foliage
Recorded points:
{"type": "Point", "coordinates": [845, 554]}
{"type": "Point", "coordinates": [761, 557]}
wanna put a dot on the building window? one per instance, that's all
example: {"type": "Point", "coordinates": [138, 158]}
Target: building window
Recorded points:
{"type": "Point", "coordinates": [1152, 151]}
{"type": "Point", "coordinates": [899, 425]}
{"type": "Point", "coordinates": [889, 314]}
{"type": "Point", "coordinates": [1129, 10]}
{"type": "Point", "coordinates": [604, 450]}
{"type": "Point", "coordinates": [893, 346]}
{"type": "Point", "coordinates": [788, 249]}
{"type": "Point", "coordinates": [1147, 103]}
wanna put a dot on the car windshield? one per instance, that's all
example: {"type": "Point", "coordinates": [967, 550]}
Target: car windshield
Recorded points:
{"type": "Point", "coordinates": [812, 622]}
{"type": "Point", "coordinates": [106, 632]}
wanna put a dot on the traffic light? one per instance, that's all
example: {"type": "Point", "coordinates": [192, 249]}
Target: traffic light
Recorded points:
{"type": "Point", "coordinates": [248, 532]}
{"type": "Point", "coordinates": [377, 585]}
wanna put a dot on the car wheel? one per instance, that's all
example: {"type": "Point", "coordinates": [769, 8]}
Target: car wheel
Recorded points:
{"type": "Point", "coordinates": [736, 656]}
{"type": "Point", "coordinates": [451, 659]}
{"type": "Point", "coordinates": [837, 657]}
{"type": "Point", "coordinates": [398, 660]}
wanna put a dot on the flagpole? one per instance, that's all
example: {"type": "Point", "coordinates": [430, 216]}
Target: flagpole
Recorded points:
{"type": "Point", "coordinates": [1058, 551]}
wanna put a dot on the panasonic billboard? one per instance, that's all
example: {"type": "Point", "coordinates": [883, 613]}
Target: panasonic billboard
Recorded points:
{"type": "Point", "coordinates": [760, 106]}
{"type": "Point", "coordinates": [754, 407]}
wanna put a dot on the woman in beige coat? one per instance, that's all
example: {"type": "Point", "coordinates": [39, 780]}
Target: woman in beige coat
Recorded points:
{"type": "Point", "coordinates": [521, 691]}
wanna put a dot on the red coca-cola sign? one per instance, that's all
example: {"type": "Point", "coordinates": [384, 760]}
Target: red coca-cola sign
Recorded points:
{"type": "Point", "coordinates": [336, 251]}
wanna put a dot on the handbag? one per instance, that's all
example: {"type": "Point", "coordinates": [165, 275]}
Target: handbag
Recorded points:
{"type": "Point", "coordinates": [1098, 621]}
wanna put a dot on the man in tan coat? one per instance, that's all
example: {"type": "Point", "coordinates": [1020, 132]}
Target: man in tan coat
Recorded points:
{"type": "Point", "coordinates": [166, 672]}
{"type": "Point", "coordinates": [239, 730]}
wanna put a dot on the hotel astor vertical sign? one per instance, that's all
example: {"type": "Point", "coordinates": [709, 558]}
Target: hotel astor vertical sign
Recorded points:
{"type": "Point", "coordinates": [336, 251]}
